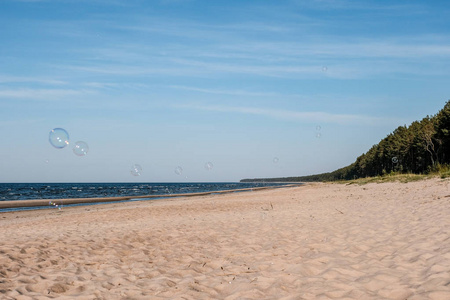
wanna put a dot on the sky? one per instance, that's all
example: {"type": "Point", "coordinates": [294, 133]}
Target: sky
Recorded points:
{"type": "Point", "coordinates": [254, 88]}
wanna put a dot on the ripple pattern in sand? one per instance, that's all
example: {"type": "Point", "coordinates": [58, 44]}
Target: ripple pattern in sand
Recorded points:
{"type": "Point", "coordinates": [379, 241]}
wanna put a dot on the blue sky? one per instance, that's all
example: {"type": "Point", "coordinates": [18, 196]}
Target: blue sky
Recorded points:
{"type": "Point", "coordinates": [241, 84]}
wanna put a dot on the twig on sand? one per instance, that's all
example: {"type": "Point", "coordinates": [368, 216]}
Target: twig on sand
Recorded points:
{"type": "Point", "coordinates": [339, 211]}
{"type": "Point", "coordinates": [267, 209]}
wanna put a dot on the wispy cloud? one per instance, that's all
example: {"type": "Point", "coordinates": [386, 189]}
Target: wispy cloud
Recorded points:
{"type": "Point", "coordinates": [22, 79]}
{"type": "Point", "coordinates": [235, 92]}
{"type": "Point", "coordinates": [284, 49]}
{"type": "Point", "coordinates": [138, 72]}
{"type": "Point", "coordinates": [355, 58]}
{"type": "Point", "coordinates": [184, 48]}
{"type": "Point", "coordinates": [217, 33]}
{"type": "Point", "coordinates": [28, 0]}
{"type": "Point", "coordinates": [41, 94]}
{"type": "Point", "coordinates": [357, 5]}
{"type": "Point", "coordinates": [287, 115]}
{"type": "Point", "coordinates": [106, 2]}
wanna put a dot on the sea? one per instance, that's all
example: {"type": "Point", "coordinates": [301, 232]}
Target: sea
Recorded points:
{"type": "Point", "coordinates": [54, 191]}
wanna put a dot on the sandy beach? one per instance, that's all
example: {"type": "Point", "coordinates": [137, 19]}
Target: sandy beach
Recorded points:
{"type": "Point", "coordinates": [318, 241]}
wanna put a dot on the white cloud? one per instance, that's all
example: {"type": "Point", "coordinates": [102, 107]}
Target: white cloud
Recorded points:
{"type": "Point", "coordinates": [130, 70]}
{"type": "Point", "coordinates": [41, 94]}
{"type": "Point", "coordinates": [24, 79]}
{"type": "Point", "coordinates": [289, 115]}
{"type": "Point", "coordinates": [275, 49]}
{"type": "Point", "coordinates": [229, 92]}
{"type": "Point", "coordinates": [357, 58]}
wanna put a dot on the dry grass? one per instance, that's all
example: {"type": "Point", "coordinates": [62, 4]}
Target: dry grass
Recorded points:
{"type": "Point", "coordinates": [403, 178]}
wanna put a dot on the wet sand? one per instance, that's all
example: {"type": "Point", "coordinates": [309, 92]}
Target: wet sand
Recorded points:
{"type": "Point", "coordinates": [318, 241]}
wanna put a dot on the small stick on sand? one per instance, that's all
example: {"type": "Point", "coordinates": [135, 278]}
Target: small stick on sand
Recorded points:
{"type": "Point", "coordinates": [339, 211]}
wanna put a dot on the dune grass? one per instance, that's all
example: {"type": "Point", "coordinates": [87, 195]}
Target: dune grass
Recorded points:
{"type": "Point", "coordinates": [400, 177]}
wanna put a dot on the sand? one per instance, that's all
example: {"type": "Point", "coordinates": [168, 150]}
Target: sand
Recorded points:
{"type": "Point", "coordinates": [319, 241]}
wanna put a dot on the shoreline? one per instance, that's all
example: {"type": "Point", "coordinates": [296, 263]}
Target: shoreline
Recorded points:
{"type": "Point", "coordinates": [99, 200]}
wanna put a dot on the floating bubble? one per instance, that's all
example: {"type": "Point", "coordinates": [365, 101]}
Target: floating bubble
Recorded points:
{"type": "Point", "coordinates": [58, 138]}
{"type": "Point", "coordinates": [55, 205]}
{"type": "Point", "coordinates": [395, 160]}
{"type": "Point", "coordinates": [178, 170]}
{"type": "Point", "coordinates": [318, 127]}
{"type": "Point", "coordinates": [276, 160]}
{"type": "Point", "coordinates": [209, 166]}
{"type": "Point", "coordinates": [47, 161]}
{"type": "Point", "coordinates": [80, 148]}
{"type": "Point", "coordinates": [136, 170]}
{"type": "Point", "coordinates": [324, 68]}
{"type": "Point", "coordinates": [318, 135]}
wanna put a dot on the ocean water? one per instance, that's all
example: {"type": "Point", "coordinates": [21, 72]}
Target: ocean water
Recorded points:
{"type": "Point", "coordinates": [30, 191]}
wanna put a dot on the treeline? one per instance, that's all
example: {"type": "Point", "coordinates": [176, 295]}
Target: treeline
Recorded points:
{"type": "Point", "coordinates": [421, 147]}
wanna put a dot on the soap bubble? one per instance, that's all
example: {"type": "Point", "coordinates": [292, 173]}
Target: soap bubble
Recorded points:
{"type": "Point", "coordinates": [178, 170]}
{"type": "Point", "coordinates": [276, 160]}
{"type": "Point", "coordinates": [209, 166]}
{"type": "Point", "coordinates": [55, 205]}
{"type": "Point", "coordinates": [58, 138]}
{"type": "Point", "coordinates": [318, 134]}
{"type": "Point", "coordinates": [395, 159]}
{"type": "Point", "coordinates": [324, 68]}
{"type": "Point", "coordinates": [80, 148]}
{"type": "Point", "coordinates": [136, 170]}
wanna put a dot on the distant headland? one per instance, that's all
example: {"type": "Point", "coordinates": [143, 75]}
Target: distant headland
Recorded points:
{"type": "Point", "coordinates": [420, 148]}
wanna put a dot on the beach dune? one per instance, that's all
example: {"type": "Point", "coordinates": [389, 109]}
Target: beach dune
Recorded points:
{"type": "Point", "coordinates": [317, 241]}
